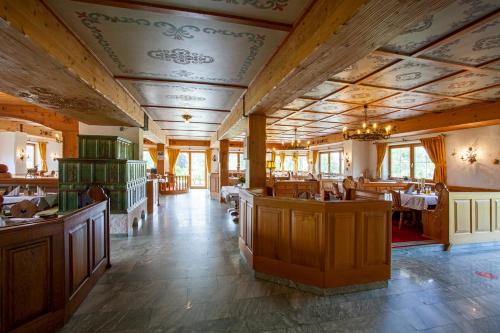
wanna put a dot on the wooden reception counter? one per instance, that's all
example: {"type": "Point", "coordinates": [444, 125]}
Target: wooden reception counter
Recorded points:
{"type": "Point", "coordinates": [49, 267]}
{"type": "Point", "coordinates": [316, 243]}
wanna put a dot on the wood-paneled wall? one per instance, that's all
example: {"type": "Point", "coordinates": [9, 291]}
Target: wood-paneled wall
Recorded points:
{"type": "Point", "coordinates": [474, 217]}
{"type": "Point", "coordinates": [324, 244]}
{"type": "Point", "coordinates": [48, 268]}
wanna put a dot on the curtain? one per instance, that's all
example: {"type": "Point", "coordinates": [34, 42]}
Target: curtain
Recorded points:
{"type": "Point", "coordinates": [42, 149]}
{"type": "Point", "coordinates": [172, 158]}
{"type": "Point", "coordinates": [436, 151]}
{"type": "Point", "coordinates": [282, 159]}
{"type": "Point", "coordinates": [314, 160]}
{"type": "Point", "coordinates": [208, 160]}
{"type": "Point", "coordinates": [154, 155]}
{"type": "Point", "coordinates": [381, 149]}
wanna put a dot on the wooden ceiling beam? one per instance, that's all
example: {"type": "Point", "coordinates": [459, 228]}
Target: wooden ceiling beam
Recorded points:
{"type": "Point", "coordinates": [191, 13]}
{"type": "Point", "coordinates": [18, 126]}
{"type": "Point", "coordinates": [469, 116]}
{"type": "Point", "coordinates": [331, 36]}
{"type": "Point", "coordinates": [47, 118]}
{"type": "Point", "coordinates": [42, 62]}
{"type": "Point", "coordinates": [188, 143]}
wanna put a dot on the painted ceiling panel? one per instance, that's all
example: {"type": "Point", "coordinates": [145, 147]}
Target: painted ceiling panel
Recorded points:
{"type": "Point", "coordinates": [322, 124]}
{"type": "Point", "coordinates": [191, 126]}
{"type": "Point", "coordinates": [183, 94]}
{"type": "Point", "coordinates": [361, 94]}
{"type": "Point", "coordinates": [298, 104]}
{"type": "Point", "coordinates": [406, 100]}
{"type": "Point", "coordinates": [475, 47]}
{"type": "Point", "coordinates": [342, 119]}
{"type": "Point", "coordinates": [305, 115]}
{"type": "Point", "coordinates": [330, 107]}
{"type": "Point", "coordinates": [364, 67]}
{"type": "Point", "coordinates": [198, 116]}
{"type": "Point", "coordinates": [157, 45]}
{"type": "Point", "coordinates": [461, 84]}
{"type": "Point", "coordinates": [443, 104]}
{"type": "Point", "coordinates": [373, 111]}
{"type": "Point", "coordinates": [282, 113]}
{"type": "Point", "coordinates": [282, 11]}
{"type": "Point", "coordinates": [433, 27]}
{"type": "Point", "coordinates": [408, 74]}
{"type": "Point", "coordinates": [401, 114]}
{"type": "Point", "coordinates": [324, 89]}
{"type": "Point", "coordinates": [489, 94]}
{"type": "Point", "coordinates": [292, 122]}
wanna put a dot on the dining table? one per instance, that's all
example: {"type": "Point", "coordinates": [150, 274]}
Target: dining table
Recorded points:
{"type": "Point", "coordinates": [418, 201]}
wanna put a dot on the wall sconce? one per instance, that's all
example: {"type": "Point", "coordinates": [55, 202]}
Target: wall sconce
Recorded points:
{"type": "Point", "coordinates": [58, 138]}
{"type": "Point", "coordinates": [496, 161]}
{"type": "Point", "coordinates": [470, 155]}
{"type": "Point", "coordinates": [54, 157]}
{"type": "Point", "coordinates": [347, 161]}
{"type": "Point", "coordinates": [21, 155]}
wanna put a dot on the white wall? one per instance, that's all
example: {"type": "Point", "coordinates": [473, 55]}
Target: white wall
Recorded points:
{"type": "Point", "coordinates": [134, 134]}
{"type": "Point", "coordinates": [7, 150]}
{"type": "Point", "coordinates": [483, 173]}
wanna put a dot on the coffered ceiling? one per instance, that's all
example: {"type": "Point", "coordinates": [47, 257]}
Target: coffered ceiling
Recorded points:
{"type": "Point", "coordinates": [449, 59]}
{"type": "Point", "coordinates": [193, 55]}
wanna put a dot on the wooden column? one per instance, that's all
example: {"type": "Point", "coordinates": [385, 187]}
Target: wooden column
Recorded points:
{"type": "Point", "coordinates": [70, 144]}
{"type": "Point", "coordinates": [160, 147]}
{"type": "Point", "coordinates": [224, 163]}
{"type": "Point", "coordinates": [256, 151]}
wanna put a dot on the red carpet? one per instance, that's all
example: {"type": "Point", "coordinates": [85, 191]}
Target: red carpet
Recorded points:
{"type": "Point", "coordinates": [406, 234]}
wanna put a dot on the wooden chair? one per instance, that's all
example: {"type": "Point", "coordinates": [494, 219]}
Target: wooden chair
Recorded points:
{"type": "Point", "coordinates": [349, 188]}
{"type": "Point", "coordinates": [23, 209]}
{"type": "Point", "coordinates": [32, 172]}
{"type": "Point", "coordinates": [433, 219]}
{"type": "Point", "coordinates": [1, 201]}
{"type": "Point", "coordinates": [397, 207]}
{"type": "Point", "coordinates": [97, 194]}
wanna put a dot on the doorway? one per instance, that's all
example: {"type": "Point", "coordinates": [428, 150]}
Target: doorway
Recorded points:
{"type": "Point", "coordinates": [193, 164]}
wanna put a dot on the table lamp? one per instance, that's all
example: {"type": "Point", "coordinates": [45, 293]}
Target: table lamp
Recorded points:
{"type": "Point", "coordinates": [270, 166]}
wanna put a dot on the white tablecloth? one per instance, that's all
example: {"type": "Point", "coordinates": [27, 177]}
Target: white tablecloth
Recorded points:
{"type": "Point", "coordinates": [418, 201]}
{"type": "Point", "coordinates": [43, 201]}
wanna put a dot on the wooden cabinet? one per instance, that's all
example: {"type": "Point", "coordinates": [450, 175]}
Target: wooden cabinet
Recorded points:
{"type": "Point", "coordinates": [48, 268]}
{"type": "Point", "coordinates": [323, 244]}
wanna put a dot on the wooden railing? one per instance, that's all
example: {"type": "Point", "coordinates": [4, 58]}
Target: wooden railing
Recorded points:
{"type": "Point", "coordinates": [175, 184]}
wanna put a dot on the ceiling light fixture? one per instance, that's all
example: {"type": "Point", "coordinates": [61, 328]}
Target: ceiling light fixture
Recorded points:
{"type": "Point", "coordinates": [295, 144]}
{"type": "Point", "coordinates": [187, 118]}
{"type": "Point", "coordinates": [367, 132]}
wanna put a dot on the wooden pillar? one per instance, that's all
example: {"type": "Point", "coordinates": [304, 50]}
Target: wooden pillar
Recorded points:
{"type": "Point", "coordinates": [224, 163]}
{"type": "Point", "coordinates": [160, 154]}
{"type": "Point", "coordinates": [256, 151]}
{"type": "Point", "coordinates": [70, 144]}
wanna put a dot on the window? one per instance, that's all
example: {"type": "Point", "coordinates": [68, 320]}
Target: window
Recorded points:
{"type": "Point", "coordinates": [302, 164]}
{"type": "Point", "coordinates": [288, 163]}
{"type": "Point", "coordinates": [192, 164]}
{"type": "Point", "coordinates": [146, 156]}
{"type": "Point", "coordinates": [236, 162]}
{"type": "Point", "coordinates": [233, 161]}
{"type": "Point", "coordinates": [182, 164]}
{"type": "Point", "coordinates": [30, 155]}
{"type": "Point", "coordinates": [423, 166]}
{"type": "Point", "coordinates": [330, 162]}
{"type": "Point", "coordinates": [410, 161]}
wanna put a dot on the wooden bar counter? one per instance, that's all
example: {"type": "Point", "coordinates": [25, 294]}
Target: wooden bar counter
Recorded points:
{"type": "Point", "coordinates": [315, 243]}
{"type": "Point", "coordinates": [49, 267]}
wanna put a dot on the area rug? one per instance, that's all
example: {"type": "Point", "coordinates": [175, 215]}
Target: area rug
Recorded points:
{"type": "Point", "coordinates": [406, 234]}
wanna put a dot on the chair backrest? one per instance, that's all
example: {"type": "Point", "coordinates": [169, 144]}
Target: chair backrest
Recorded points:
{"type": "Point", "coordinates": [439, 187]}
{"type": "Point", "coordinates": [23, 209]}
{"type": "Point", "coordinates": [97, 194]}
{"type": "Point", "coordinates": [396, 199]}
{"type": "Point", "coordinates": [443, 195]}
{"type": "Point", "coordinates": [335, 189]}
{"type": "Point", "coordinates": [1, 201]}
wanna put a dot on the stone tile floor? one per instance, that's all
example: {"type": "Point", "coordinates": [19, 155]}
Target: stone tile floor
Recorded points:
{"type": "Point", "coordinates": [181, 273]}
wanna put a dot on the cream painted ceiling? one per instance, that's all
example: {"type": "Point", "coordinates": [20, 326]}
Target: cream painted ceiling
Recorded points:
{"type": "Point", "coordinates": [197, 57]}
{"type": "Point", "coordinates": [449, 59]}
{"type": "Point", "coordinates": [178, 57]}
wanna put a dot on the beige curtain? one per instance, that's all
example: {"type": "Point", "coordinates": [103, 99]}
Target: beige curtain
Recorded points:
{"type": "Point", "coordinates": [42, 149]}
{"type": "Point", "coordinates": [154, 155]}
{"type": "Point", "coordinates": [282, 160]}
{"type": "Point", "coordinates": [381, 149]}
{"type": "Point", "coordinates": [314, 160]}
{"type": "Point", "coordinates": [436, 151]}
{"type": "Point", "coordinates": [172, 158]}
{"type": "Point", "coordinates": [208, 160]}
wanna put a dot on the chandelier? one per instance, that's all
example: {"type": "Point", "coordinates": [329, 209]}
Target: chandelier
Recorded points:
{"type": "Point", "coordinates": [367, 132]}
{"type": "Point", "coordinates": [295, 144]}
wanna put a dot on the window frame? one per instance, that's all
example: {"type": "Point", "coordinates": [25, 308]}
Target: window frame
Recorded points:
{"type": "Point", "coordinates": [189, 152]}
{"type": "Point", "coordinates": [412, 147]}
{"type": "Point", "coordinates": [238, 160]}
{"type": "Point", "coordinates": [328, 153]}
{"type": "Point", "coordinates": [34, 145]}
